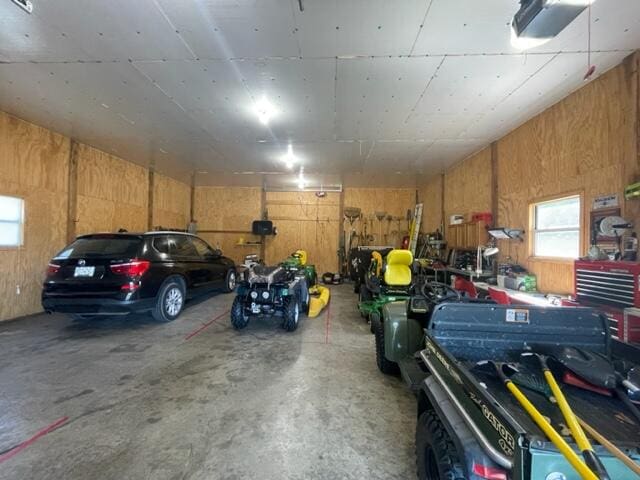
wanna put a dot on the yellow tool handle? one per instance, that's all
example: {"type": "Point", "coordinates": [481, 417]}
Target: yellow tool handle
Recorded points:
{"type": "Point", "coordinates": [581, 439]}
{"type": "Point", "coordinates": [554, 436]}
{"type": "Point", "coordinates": [615, 451]}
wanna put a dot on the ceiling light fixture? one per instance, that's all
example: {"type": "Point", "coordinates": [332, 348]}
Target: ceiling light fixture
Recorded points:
{"type": "Point", "coordinates": [289, 159]}
{"type": "Point", "coordinates": [264, 109]}
{"type": "Point", "coordinates": [538, 21]}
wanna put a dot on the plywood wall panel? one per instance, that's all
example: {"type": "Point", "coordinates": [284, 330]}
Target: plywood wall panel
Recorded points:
{"type": "Point", "coordinates": [171, 202]}
{"type": "Point", "coordinates": [307, 222]}
{"type": "Point", "coordinates": [33, 166]}
{"type": "Point", "coordinates": [230, 209]}
{"type": "Point", "coordinates": [430, 194]}
{"type": "Point", "coordinates": [467, 186]}
{"type": "Point", "coordinates": [112, 193]}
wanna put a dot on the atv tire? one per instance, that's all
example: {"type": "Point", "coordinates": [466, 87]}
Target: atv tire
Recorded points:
{"type": "Point", "coordinates": [436, 454]}
{"type": "Point", "coordinates": [291, 313]}
{"type": "Point", "coordinates": [385, 366]}
{"type": "Point", "coordinates": [239, 318]}
{"type": "Point", "coordinates": [305, 297]}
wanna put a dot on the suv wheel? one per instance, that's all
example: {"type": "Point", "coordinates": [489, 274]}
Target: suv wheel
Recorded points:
{"type": "Point", "coordinates": [436, 454]}
{"type": "Point", "coordinates": [291, 313]}
{"type": "Point", "coordinates": [170, 300]}
{"type": "Point", "coordinates": [385, 366]}
{"type": "Point", "coordinates": [239, 318]}
{"type": "Point", "coordinates": [230, 281]}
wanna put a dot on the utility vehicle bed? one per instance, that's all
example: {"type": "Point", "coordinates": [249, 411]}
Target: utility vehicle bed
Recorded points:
{"type": "Point", "coordinates": [461, 335]}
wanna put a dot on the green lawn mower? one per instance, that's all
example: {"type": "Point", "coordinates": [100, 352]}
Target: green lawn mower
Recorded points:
{"type": "Point", "coordinates": [386, 281]}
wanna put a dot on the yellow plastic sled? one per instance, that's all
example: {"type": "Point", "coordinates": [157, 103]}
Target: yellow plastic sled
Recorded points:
{"type": "Point", "coordinates": [317, 303]}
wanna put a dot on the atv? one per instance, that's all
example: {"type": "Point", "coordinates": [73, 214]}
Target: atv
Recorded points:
{"type": "Point", "coordinates": [281, 290]}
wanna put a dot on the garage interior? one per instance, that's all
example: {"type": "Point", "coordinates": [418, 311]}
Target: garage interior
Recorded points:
{"type": "Point", "coordinates": [210, 115]}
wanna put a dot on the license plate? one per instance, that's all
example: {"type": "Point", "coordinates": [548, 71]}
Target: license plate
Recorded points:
{"type": "Point", "coordinates": [84, 271]}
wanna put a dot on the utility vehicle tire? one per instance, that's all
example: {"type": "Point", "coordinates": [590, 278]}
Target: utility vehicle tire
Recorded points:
{"type": "Point", "coordinates": [170, 300]}
{"type": "Point", "coordinates": [385, 366]}
{"type": "Point", "coordinates": [239, 319]}
{"type": "Point", "coordinates": [364, 295]}
{"type": "Point", "coordinates": [291, 313]}
{"type": "Point", "coordinates": [230, 281]}
{"type": "Point", "coordinates": [436, 454]}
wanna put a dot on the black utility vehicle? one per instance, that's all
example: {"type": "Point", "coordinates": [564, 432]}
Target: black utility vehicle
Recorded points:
{"type": "Point", "coordinates": [121, 273]}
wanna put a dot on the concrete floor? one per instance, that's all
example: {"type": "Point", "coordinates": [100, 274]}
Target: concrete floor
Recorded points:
{"type": "Point", "coordinates": [143, 402]}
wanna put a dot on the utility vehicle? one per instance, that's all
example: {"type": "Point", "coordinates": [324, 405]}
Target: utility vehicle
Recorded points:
{"type": "Point", "coordinates": [469, 425]}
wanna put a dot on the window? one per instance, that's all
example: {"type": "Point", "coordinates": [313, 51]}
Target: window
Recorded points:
{"type": "Point", "coordinates": [11, 221]}
{"type": "Point", "coordinates": [201, 246]}
{"type": "Point", "coordinates": [181, 246]}
{"type": "Point", "coordinates": [556, 231]}
{"type": "Point", "coordinates": [102, 246]}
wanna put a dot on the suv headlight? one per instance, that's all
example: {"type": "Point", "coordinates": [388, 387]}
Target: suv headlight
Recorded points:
{"type": "Point", "coordinates": [254, 294]}
{"type": "Point", "coordinates": [265, 295]}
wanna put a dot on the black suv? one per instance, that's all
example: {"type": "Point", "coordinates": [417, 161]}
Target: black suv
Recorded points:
{"type": "Point", "coordinates": [121, 273]}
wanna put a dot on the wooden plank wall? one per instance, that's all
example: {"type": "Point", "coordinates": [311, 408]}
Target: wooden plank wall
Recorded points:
{"type": "Point", "coordinates": [231, 210]}
{"type": "Point", "coordinates": [307, 222]}
{"type": "Point", "coordinates": [392, 201]}
{"type": "Point", "coordinates": [112, 193]}
{"type": "Point", "coordinates": [33, 166]}
{"type": "Point", "coordinates": [431, 196]}
{"type": "Point", "coordinates": [586, 143]}
{"type": "Point", "coordinates": [171, 203]}
{"type": "Point", "coordinates": [467, 187]}
{"type": "Point", "coordinates": [303, 220]}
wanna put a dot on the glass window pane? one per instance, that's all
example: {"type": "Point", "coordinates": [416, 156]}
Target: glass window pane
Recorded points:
{"type": "Point", "coordinates": [10, 209]}
{"type": "Point", "coordinates": [558, 244]}
{"type": "Point", "coordinates": [10, 234]}
{"type": "Point", "coordinates": [563, 213]}
{"type": "Point", "coordinates": [104, 246]}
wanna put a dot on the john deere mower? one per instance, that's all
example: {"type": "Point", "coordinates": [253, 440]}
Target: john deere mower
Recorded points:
{"type": "Point", "coordinates": [387, 280]}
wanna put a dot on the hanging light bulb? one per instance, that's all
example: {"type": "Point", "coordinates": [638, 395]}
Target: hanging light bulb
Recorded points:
{"type": "Point", "coordinates": [264, 109]}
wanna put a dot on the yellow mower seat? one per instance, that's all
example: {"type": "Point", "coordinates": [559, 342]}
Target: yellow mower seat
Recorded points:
{"type": "Point", "coordinates": [302, 256]}
{"type": "Point", "coordinates": [398, 270]}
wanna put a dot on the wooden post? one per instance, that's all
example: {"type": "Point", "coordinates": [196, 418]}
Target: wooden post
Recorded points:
{"type": "Point", "coordinates": [72, 191]}
{"type": "Point", "coordinates": [342, 234]}
{"type": "Point", "coordinates": [494, 182]}
{"type": "Point", "coordinates": [263, 216]}
{"type": "Point", "coordinates": [192, 206]}
{"type": "Point", "coordinates": [442, 209]}
{"type": "Point", "coordinates": [150, 202]}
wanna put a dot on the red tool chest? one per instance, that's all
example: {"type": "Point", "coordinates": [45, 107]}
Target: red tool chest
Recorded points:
{"type": "Point", "coordinates": [613, 287]}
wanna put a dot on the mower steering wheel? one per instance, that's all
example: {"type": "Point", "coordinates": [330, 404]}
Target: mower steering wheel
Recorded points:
{"type": "Point", "coordinates": [430, 290]}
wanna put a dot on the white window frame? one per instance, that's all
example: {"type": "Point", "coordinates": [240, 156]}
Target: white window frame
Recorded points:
{"type": "Point", "coordinates": [19, 222]}
{"type": "Point", "coordinates": [534, 230]}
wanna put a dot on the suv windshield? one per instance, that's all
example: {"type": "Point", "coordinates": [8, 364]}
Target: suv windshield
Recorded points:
{"type": "Point", "coordinates": [102, 247]}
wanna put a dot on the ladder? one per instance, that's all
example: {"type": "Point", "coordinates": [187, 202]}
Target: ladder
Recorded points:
{"type": "Point", "coordinates": [415, 228]}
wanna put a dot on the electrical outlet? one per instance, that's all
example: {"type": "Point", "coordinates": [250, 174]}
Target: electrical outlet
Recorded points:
{"type": "Point", "coordinates": [17, 289]}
